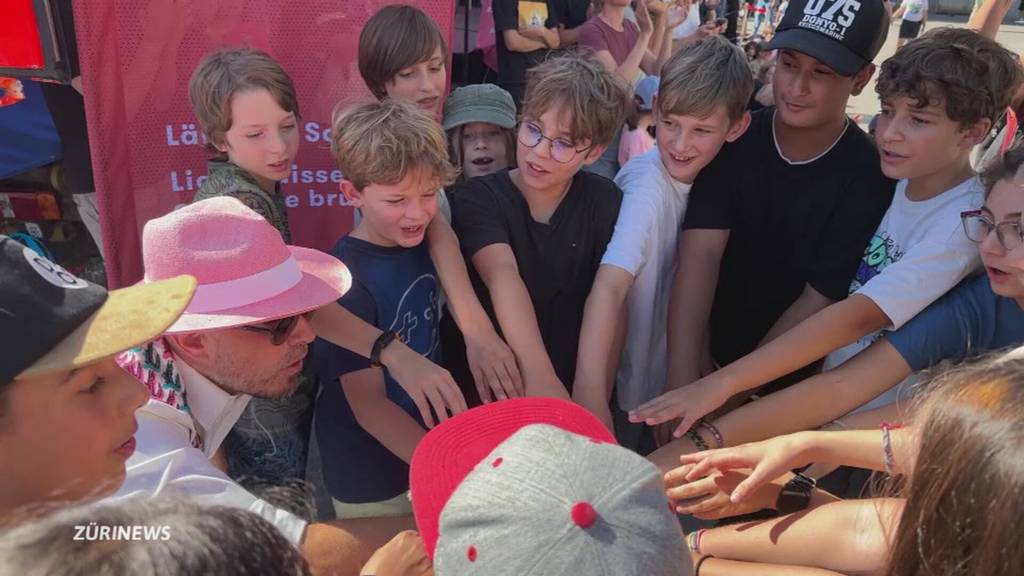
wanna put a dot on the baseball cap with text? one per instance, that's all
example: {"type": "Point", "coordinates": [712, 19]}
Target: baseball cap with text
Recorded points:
{"type": "Point", "coordinates": [845, 35]}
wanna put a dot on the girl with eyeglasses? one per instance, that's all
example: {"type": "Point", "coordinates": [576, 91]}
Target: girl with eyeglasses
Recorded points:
{"type": "Point", "coordinates": [983, 313]}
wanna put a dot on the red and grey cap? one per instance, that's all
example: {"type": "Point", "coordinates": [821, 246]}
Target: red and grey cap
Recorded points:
{"type": "Point", "coordinates": [845, 35]}
{"type": "Point", "coordinates": [539, 486]}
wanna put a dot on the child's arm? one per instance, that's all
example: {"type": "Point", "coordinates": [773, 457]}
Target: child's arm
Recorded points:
{"type": "Point", "coordinates": [989, 16]}
{"type": "Point", "coordinates": [427, 384]}
{"type": "Point", "coordinates": [491, 361]}
{"type": "Point", "coordinates": [699, 255]}
{"type": "Point", "coordinates": [828, 330]}
{"type": "Point", "coordinates": [848, 536]}
{"type": "Point", "coordinates": [601, 337]}
{"type": "Point", "coordinates": [382, 418]}
{"type": "Point", "coordinates": [898, 13]}
{"type": "Point", "coordinates": [722, 567]}
{"type": "Point", "coordinates": [497, 267]}
{"type": "Point", "coordinates": [774, 457]}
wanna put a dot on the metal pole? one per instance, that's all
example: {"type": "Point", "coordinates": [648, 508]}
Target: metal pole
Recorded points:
{"type": "Point", "coordinates": [465, 42]}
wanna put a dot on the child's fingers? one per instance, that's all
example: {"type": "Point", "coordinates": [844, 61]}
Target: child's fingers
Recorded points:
{"type": "Point", "coordinates": [684, 425]}
{"type": "Point", "coordinates": [437, 400]}
{"type": "Point", "coordinates": [499, 383]}
{"type": "Point", "coordinates": [517, 377]}
{"type": "Point", "coordinates": [748, 486]}
{"type": "Point", "coordinates": [424, 408]}
{"type": "Point", "coordinates": [482, 387]}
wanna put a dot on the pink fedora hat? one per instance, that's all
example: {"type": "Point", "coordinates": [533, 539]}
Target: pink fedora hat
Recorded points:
{"type": "Point", "coordinates": [246, 273]}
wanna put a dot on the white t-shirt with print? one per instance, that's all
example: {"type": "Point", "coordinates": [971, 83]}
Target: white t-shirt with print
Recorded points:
{"type": "Point", "coordinates": [644, 244]}
{"type": "Point", "coordinates": [914, 10]}
{"type": "Point", "coordinates": [918, 253]}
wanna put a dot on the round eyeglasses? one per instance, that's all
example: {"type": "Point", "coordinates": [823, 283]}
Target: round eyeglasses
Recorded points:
{"type": "Point", "coordinates": [561, 149]}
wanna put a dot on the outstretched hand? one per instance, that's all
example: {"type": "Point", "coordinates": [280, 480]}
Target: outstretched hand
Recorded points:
{"type": "Point", "coordinates": [426, 383]}
{"type": "Point", "coordinates": [689, 403]}
{"type": "Point", "coordinates": [769, 459]}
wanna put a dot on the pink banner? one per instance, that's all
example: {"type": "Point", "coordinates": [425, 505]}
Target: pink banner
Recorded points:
{"type": "Point", "coordinates": [136, 58]}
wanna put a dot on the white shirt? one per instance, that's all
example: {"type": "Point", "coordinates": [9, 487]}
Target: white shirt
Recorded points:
{"type": "Point", "coordinates": [914, 10]}
{"type": "Point", "coordinates": [644, 244]}
{"type": "Point", "coordinates": [917, 254]}
{"type": "Point", "coordinates": [166, 463]}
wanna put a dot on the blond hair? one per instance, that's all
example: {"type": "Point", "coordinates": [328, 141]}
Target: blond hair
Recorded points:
{"type": "Point", "coordinates": [381, 142]}
{"type": "Point", "coordinates": [704, 75]}
{"type": "Point", "coordinates": [595, 99]}
{"type": "Point", "coordinates": [222, 74]}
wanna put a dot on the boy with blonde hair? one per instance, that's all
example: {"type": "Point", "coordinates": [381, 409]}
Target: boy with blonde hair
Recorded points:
{"type": "Point", "coordinates": [700, 105]}
{"type": "Point", "coordinates": [394, 158]}
{"type": "Point", "coordinates": [535, 234]}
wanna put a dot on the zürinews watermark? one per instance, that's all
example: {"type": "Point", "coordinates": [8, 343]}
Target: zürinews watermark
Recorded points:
{"type": "Point", "coordinates": [94, 532]}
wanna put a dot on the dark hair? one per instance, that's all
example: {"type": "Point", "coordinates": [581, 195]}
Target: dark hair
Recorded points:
{"type": "Point", "coordinates": [1004, 167]}
{"type": "Point", "coordinates": [172, 537]}
{"type": "Point", "coordinates": [222, 74]}
{"type": "Point", "coordinates": [965, 495]}
{"type": "Point", "coordinates": [396, 37]}
{"type": "Point", "coordinates": [972, 76]}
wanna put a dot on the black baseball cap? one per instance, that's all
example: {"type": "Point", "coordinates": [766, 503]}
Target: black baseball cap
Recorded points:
{"type": "Point", "coordinates": [51, 320]}
{"type": "Point", "coordinates": [845, 35]}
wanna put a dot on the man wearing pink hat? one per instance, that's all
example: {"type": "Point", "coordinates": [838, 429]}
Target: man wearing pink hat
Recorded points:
{"type": "Point", "coordinates": [245, 334]}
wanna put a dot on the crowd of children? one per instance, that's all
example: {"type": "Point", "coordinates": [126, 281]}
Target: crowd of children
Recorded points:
{"type": "Point", "coordinates": [644, 273]}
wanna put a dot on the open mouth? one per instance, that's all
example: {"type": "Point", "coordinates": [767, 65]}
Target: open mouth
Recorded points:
{"type": "Point", "coordinates": [413, 231]}
{"type": "Point", "coordinates": [681, 158]}
{"type": "Point", "coordinates": [482, 162]}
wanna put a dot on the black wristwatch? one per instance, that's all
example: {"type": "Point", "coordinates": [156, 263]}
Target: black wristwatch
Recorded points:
{"type": "Point", "coordinates": [379, 345]}
{"type": "Point", "coordinates": [796, 494]}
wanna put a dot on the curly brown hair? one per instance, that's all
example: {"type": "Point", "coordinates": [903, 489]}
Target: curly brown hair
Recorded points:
{"type": "Point", "coordinates": [972, 76]}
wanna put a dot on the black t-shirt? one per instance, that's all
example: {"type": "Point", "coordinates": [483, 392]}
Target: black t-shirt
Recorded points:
{"type": "Point", "coordinates": [557, 261]}
{"type": "Point", "coordinates": [572, 13]}
{"type": "Point", "coordinates": [790, 225]}
{"type": "Point", "coordinates": [512, 66]}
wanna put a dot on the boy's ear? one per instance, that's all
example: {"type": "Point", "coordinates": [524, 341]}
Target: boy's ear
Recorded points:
{"type": "Point", "coordinates": [351, 194]}
{"type": "Point", "coordinates": [738, 127]}
{"type": "Point", "coordinates": [976, 133]}
{"type": "Point", "coordinates": [860, 80]}
{"type": "Point", "coordinates": [594, 154]}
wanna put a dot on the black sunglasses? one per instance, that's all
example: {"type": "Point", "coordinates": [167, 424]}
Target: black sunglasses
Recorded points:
{"type": "Point", "coordinates": [279, 330]}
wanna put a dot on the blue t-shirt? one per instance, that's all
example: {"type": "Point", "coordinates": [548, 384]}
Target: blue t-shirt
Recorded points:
{"type": "Point", "coordinates": [393, 289]}
{"type": "Point", "coordinates": [968, 320]}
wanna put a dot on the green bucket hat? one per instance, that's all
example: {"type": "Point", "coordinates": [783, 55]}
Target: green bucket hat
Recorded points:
{"type": "Point", "coordinates": [479, 103]}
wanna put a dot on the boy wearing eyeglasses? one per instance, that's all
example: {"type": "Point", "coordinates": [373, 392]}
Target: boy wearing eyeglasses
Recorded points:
{"type": "Point", "coordinates": [939, 96]}
{"type": "Point", "coordinates": [535, 234]}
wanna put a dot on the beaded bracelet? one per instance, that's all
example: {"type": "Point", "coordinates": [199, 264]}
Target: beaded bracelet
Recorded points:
{"type": "Point", "coordinates": [888, 458]}
{"type": "Point", "coordinates": [693, 540]}
{"type": "Point", "coordinates": [697, 440]}
{"type": "Point", "coordinates": [720, 443]}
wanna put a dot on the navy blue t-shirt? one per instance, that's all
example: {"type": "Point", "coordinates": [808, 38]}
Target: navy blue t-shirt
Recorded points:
{"type": "Point", "coordinates": [393, 289]}
{"type": "Point", "coordinates": [970, 319]}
